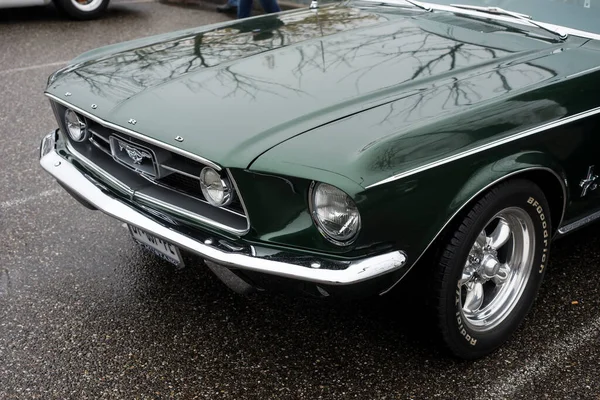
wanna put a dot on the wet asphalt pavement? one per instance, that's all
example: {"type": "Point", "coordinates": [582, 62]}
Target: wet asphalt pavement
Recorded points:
{"type": "Point", "coordinates": [85, 314]}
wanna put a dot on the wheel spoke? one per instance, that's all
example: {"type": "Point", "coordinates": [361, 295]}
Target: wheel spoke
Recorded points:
{"type": "Point", "coordinates": [500, 236]}
{"type": "Point", "coordinates": [502, 275]}
{"type": "Point", "coordinates": [481, 240]}
{"type": "Point", "coordinates": [467, 274]}
{"type": "Point", "coordinates": [474, 298]}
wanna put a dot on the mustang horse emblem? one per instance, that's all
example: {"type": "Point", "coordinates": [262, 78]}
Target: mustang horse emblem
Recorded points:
{"type": "Point", "coordinates": [136, 155]}
{"type": "Point", "coordinates": [589, 182]}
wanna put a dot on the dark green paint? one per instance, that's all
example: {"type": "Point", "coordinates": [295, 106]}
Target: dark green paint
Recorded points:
{"type": "Point", "coordinates": [351, 95]}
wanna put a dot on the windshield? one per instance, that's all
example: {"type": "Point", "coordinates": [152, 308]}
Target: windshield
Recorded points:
{"type": "Point", "coordinates": [582, 15]}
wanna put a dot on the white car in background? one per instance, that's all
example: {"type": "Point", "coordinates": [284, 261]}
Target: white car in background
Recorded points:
{"type": "Point", "coordinates": [76, 9]}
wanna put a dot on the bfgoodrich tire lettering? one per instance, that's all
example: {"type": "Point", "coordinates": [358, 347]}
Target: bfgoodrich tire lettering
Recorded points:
{"type": "Point", "coordinates": [491, 268]}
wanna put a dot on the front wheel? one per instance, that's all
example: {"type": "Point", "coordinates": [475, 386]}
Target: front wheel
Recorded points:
{"type": "Point", "coordinates": [82, 9]}
{"type": "Point", "coordinates": [491, 268]}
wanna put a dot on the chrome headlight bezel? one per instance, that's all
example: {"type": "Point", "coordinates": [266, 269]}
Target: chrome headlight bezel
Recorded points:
{"type": "Point", "coordinates": [71, 125]}
{"type": "Point", "coordinates": [325, 232]}
{"type": "Point", "coordinates": [224, 184]}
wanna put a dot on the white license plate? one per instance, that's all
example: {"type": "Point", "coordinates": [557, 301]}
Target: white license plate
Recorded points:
{"type": "Point", "coordinates": [161, 248]}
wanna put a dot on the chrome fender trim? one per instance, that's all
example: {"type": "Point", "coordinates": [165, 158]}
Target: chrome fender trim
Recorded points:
{"type": "Point", "coordinates": [487, 146]}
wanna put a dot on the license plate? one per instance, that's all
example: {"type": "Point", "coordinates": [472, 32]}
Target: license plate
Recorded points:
{"type": "Point", "coordinates": [161, 248]}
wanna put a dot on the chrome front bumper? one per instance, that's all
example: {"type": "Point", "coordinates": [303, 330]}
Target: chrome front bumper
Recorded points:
{"type": "Point", "coordinates": [77, 182]}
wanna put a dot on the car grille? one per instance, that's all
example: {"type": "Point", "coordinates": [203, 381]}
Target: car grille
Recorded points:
{"type": "Point", "coordinates": [174, 188]}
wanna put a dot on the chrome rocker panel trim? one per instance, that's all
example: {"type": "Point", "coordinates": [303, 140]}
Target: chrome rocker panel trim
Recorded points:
{"type": "Point", "coordinates": [69, 176]}
{"type": "Point", "coordinates": [580, 223]}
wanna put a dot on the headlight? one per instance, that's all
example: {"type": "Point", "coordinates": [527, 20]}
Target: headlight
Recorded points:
{"type": "Point", "coordinates": [335, 214]}
{"type": "Point", "coordinates": [215, 189]}
{"type": "Point", "coordinates": [75, 124]}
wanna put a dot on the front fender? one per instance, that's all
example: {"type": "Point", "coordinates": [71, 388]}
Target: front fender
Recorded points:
{"type": "Point", "coordinates": [414, 211]}
{"type": "Point", "coordinates": [510, 167]}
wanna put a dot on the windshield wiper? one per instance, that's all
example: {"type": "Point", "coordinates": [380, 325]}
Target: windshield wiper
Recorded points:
{"type": "Point", "coordinates": [420, 5]}
{"type": "Point", "coordinates": [524, 17]}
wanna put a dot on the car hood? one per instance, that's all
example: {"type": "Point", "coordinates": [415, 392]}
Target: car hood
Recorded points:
{"type": "Point", "coordinates": [233, 91]}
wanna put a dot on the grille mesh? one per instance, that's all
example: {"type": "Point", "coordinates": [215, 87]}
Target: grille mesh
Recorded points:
{"type": "Point", "coordinates": [176, 178]}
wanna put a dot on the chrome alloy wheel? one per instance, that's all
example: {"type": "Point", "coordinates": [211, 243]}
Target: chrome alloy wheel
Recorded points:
{"type": "Point", "coordinates": [497, 269]}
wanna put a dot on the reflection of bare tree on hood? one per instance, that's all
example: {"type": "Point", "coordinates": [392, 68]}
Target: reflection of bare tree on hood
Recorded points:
{"type": "Point", "coordinates": [125, 74]}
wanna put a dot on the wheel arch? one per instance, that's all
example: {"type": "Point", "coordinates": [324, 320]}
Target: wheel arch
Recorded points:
{"type": "Point", "coordinates": [537, 167]}
{"type": "Point", "coordinates": [555, 190]}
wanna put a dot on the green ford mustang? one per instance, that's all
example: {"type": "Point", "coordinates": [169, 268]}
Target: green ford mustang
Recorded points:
{"type": "Point", "coordinates": [333, 149]}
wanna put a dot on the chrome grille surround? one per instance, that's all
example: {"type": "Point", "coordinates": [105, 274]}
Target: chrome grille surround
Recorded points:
{"type": "Point", "coordinates": [100, 133]}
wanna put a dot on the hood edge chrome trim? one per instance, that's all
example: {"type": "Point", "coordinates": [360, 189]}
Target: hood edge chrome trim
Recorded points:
{"type": "Point", "coordinates": [135, 134]}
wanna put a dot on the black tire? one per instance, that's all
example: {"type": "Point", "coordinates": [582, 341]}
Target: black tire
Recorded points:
{"type": "Point", "coordinates": [70, 9]}
{"type": "Point", "coordinates": [456, 332]}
